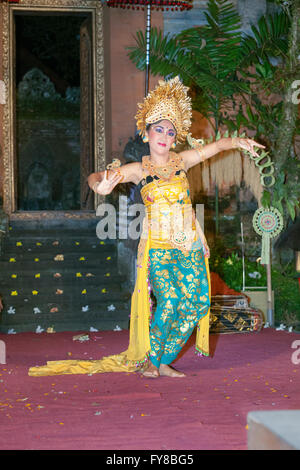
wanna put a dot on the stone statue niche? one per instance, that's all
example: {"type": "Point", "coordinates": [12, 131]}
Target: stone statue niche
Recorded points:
{"type": "Point", "coordinates": [38, 189]}
{"type": "Point", "coordinates": [48, 138]}
{"type": "Point", "coordinates": [35, 86]}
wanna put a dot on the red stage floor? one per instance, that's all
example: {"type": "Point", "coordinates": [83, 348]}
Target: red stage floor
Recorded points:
{"type": "Point", "coordinates": [206, 410]}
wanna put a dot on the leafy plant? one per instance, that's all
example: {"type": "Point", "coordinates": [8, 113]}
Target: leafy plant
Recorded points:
{"type": "Point", "coordinates": [284, 283]}
{"type": "Point", "coordinates": [207, 58]}
{"type": "Point", "coordinates": [287, 295]}
{"type": "Point", "coordinates": [227, 70]}
{"type": "Point", "coordinates": [230, 269]}
{"type": "Point", "coordinates": [214, 58]}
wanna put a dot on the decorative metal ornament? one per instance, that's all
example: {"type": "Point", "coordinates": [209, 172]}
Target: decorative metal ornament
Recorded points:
{"type": "Point", "coordinates": [172, 5]}
{"type": "Point", "coordinates": [268, 223]}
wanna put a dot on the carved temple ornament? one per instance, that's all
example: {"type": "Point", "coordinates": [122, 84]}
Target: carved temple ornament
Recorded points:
{"type": "Point", "coordinates": [8, 10]}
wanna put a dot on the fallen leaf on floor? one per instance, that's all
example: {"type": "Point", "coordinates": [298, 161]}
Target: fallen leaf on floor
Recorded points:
{"type": "Point", "coordinates": [81, 338]}
{"type": "Point", "coordinates": [50, 330]}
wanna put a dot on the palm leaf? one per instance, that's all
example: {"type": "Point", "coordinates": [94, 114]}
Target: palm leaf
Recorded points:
{"type": "Point", "coordinates": [268, 39]}
{"type": "Point", "coordinates": [208, 57]}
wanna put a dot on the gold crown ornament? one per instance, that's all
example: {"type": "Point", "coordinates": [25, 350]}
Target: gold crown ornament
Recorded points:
{"type": "Point", "coordinates": [169, 100]}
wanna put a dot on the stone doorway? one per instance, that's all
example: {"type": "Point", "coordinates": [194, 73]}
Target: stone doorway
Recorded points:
{"type": "Point", "coordinates": [54, 116]}
{"type": "Point", "coordinates": [49, 104]}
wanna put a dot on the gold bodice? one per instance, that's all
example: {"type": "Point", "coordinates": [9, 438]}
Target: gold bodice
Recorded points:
{"type": "Point", "coordinates": [168, 208]}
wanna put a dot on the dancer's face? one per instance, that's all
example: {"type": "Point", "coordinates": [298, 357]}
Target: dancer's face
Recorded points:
{"type": "Point", "coordinates": [161, 136]}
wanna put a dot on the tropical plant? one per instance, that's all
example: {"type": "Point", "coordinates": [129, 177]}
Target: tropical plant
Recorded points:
{"type": "Point", "coordinates": [213, 58]}
{"type": "Point", "coordinates": [228, 70]}
{"type": "Point", "coordinates": [284, 283]}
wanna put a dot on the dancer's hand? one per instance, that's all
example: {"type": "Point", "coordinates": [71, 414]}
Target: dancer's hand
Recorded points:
{"type": "Point", "coordinates": [246, 144]}
{"type": "Point", "coordinates": [108, 183]}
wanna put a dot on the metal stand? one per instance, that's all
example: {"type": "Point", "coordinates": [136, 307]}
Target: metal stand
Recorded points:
{"type": "Point", "coordinates": [243, 254]}
{"type": "Point", "coordinates": [148, 30]}
{"type": "Point", "coordinates": [270, 313]}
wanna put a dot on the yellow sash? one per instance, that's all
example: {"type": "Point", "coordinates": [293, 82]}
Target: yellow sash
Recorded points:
{"type": "Point", "coordinates": [139, 342]}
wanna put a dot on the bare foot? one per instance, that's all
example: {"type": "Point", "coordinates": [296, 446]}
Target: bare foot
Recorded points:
{"type": "Point", "coordinates": [150, 371]}
{"type": "Point", "coordinates": [169, 371]}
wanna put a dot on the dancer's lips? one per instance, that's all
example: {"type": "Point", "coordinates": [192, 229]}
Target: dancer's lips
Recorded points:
{"type": "Point", "coordinates": [163, 145]}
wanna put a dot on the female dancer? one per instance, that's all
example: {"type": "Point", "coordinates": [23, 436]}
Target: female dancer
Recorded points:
{"type": "Point", "coordinates": [177, 272]}
{"type": "Point", "coordinates": [173, 254]}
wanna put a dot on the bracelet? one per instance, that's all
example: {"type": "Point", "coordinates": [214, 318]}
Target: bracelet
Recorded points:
{"type": "Point", "coordinates": [235, 142]}
{"type": "Point", "coordinates": [114, 164]}
{"type": "Point", "coordinates": [201, 154]}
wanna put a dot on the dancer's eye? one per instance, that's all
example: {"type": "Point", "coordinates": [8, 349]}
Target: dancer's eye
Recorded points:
{"type": "Point", "coordinates": [159, 129]}
{"type": "Point", "coordinates": [171, 134]}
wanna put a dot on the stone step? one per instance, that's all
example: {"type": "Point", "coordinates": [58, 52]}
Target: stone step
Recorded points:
{"type": "Point", "coordinates": [76, 326]}
{"type": "Point", "coordinates": [68, 279]}
{"type": "Point", "coordinates": [53, 266]}
{"type": "Point", "coordinates": [40, 221]}
{"type": "Point", "coordinates": [52, 245]}
{"type": "Point", "coordinates": [33, 297]}
{"type": "Point", "coordinates": [111, 290]}
{"type": "Point", "coordinates": [65, 313]}
{"type": "Point", "coordinates": [104, 313]}
{"type": "Point", "coordinates": [67, 317]}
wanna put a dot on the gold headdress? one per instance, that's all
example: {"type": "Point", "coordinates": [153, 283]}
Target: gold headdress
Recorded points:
{"type": "Point", "coordinates": [169, 100]}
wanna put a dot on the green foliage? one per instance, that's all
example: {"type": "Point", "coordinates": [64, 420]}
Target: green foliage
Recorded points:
{"type": "Point", "coordinates": [207, 58]}
{"type": "Point", "coordinates": [215, 60]}
{"type": "Point", "coordinates": [230, 269]}
{"type": "Point", "coordinates": [287, 295]}
{"type": "Point", "coordinates": [284, 283]}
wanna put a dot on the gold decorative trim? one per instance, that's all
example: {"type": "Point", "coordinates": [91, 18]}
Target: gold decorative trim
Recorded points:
{"type": "Point", "coordinates": [7, 12]}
